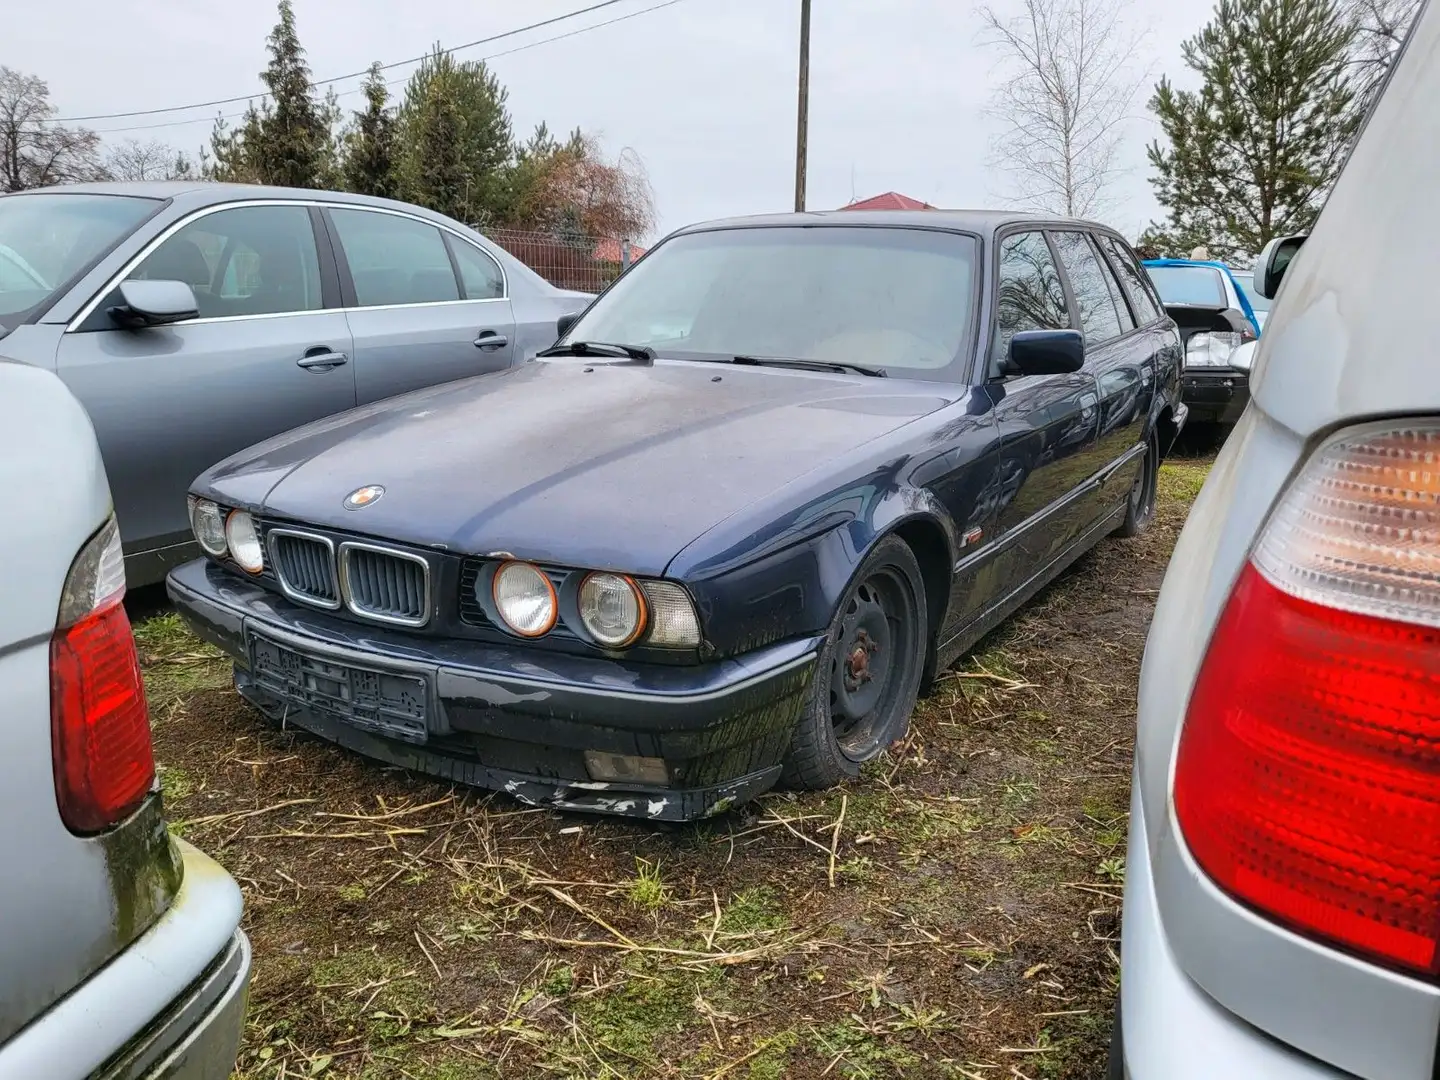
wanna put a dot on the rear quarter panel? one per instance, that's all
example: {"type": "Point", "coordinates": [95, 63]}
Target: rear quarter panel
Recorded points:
{"type": "Point", "coordinates": [67, 904]}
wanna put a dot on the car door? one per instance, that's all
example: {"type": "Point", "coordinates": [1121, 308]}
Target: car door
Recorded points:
{"type": "Point", "coordinates": [424, 305]}
{"type": "Point", "coordinates": [1120, 360]}
{"type": "Point", "coordinates": [267, 352]}
{"type": "Point", "coordinates": [1047, 423]}
{"type": "Point", "coordinates": [1156, 346]}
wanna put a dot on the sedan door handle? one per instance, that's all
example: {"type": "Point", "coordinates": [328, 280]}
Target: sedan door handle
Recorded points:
{"type": "Point", "coordinates": [323, 360]}
{"type": "Point", "coordinates": [488, 339]}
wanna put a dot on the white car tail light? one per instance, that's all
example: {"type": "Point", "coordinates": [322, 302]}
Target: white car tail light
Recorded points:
{"type": "Point", "coordinates": [1307, 783]}
{"type": "Point", "coordinates": [99, 723]}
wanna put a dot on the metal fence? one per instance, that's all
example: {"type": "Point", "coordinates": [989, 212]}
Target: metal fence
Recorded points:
{"type": "Point", "coordinates": [587, 263]}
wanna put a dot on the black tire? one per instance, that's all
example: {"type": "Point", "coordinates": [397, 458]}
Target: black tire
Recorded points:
{"type": "Point", "coordinates": [852, 713]}
{"type": "Point", "coordinates": [1140, 509]}
{"type": "Point", "coordinates": [1115, 1064]}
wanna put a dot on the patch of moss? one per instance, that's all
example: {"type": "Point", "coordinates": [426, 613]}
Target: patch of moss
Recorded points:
{"type": "Point", "coordinates": [860, 1053]}
{"type": "Point", "coordinates": [653, 1001]}
{"type": "Point", "coordinates": [753, 909]}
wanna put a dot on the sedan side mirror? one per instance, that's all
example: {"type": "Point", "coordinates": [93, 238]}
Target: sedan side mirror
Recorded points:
{"type": "Point", "coordinates": [1270, 267]}
{"type": "Point", "coordinates": [564, 323]}
{"type": "Point", "coordinates": [1046, 352]}
{"type": "Point", "coordinates": [154, 303]}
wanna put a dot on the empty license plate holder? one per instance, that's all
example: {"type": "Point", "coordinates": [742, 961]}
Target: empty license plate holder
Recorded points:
{"type": "Point", "coordinates": [396, 705]}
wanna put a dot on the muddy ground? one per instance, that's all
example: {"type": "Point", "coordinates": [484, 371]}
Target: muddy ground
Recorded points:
{"type": "Point", "coordinates": [955, 913]}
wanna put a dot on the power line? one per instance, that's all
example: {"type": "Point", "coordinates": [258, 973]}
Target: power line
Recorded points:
{"type": "Point", "coordinates": [341, 78]}
{"type": "Point", "coordinates": [397, 82]}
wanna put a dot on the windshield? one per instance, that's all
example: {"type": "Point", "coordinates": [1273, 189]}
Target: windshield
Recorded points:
{"type": "Point", "coordinates": [894, 298]}
{"type": "Point", "coordinates": [45, 240]}
{"type": "Point", "coordinates": [1257, 302]}
{"type": "Point", "coordinates": [1197, 285]}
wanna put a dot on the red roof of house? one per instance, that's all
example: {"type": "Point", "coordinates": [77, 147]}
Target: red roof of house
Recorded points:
{"type": "Point", "coordinates": [891, 200]}
{"type": "Point", "coordinates": [608, 250]}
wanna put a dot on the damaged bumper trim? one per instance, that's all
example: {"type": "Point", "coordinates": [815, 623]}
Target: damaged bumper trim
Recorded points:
{"type": "Point", "coordinates": [510, 717]}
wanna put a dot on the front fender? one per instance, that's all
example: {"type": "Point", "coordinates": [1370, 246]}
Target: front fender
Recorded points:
{"type": "Point", "coordinates": [791, 588]}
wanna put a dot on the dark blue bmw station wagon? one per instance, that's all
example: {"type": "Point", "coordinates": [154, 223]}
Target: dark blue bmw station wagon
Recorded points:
{"type": "Point", "coordinates": [723, 533]}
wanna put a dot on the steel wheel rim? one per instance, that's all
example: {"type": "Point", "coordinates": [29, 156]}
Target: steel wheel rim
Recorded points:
{"type": "Point", "coordinates": [873, 646]}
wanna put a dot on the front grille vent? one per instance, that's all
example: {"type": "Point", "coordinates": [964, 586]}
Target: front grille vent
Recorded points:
{"type": "Point", "coordinates": [305, 566]}
{"type": "Point", "coordinates": [384, 584]}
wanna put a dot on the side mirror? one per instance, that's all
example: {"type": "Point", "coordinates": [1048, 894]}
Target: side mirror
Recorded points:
{"type": "Point", "coordinates": [1271, 265]}
{"type": "Point", "coordinates": [564, 323]}
{"type": "Point", "coordinates": [1046, 352]}
{"type": "Point", "coordinates": [154, 303]}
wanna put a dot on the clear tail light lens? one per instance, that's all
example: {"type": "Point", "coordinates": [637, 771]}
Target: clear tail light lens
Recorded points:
{"type": "Point", "coordinates": [1307, 783]}
{"type": "Point", "coordinates": [99, 723]}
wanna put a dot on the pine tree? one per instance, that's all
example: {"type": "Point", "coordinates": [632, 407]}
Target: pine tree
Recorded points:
{"type": "Point", "coordinates": [288, 140]}
{"type": "Point", "coordinates": [456, 140]}
{"type": "Point", "coordinates": [1253, 154]}
{"type": "Point", "coordinates": [369, 148]}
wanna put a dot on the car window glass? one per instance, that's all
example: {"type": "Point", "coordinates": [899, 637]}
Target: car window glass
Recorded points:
{"type": "Point", "coordinates": [1259, 304]}
{"type": "Point", "coordinates": [1200, 286]}
{"type": "Point", "coordinates": [1098, 318]}
{"type": "Point", "coordinates": [252, 260]}
{"type": "Point", "coordinates": [1122, 309]}
{"type": "Point", "coordinates": [1133, 281]}
{"type": "Point", "coordinates": [479, 273]}
{"type": "Point", "coordinates": [394, 260]}
{"type": "Point", "coordinates": [896, 298]}
{"type": "Point", "coordinates": [1031, 296]}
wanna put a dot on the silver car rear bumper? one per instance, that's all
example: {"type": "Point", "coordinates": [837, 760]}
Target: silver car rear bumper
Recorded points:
{"type": "Point", "coordinates": [1173, 1030]}
{"type": "Point", "coordinates": [171, 1005]}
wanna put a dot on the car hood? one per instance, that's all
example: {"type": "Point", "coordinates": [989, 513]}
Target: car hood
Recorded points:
{"type": "Point", "coordinates": [612, 465]}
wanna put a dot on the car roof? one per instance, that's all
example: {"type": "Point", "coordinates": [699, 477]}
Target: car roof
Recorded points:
{"type": "Point", "coordinates": [192, 194]}
{"type": "Point", "coordinates": [981, 222]}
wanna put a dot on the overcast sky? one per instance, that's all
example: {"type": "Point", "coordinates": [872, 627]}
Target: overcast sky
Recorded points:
{"type": "Point", "coordinates": [702, 90]}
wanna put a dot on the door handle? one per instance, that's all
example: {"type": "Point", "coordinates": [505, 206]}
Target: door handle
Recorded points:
{"type": "Point", "coordinates": [322, 360]}
{"type": "Point", "coordinates": [488, 339]}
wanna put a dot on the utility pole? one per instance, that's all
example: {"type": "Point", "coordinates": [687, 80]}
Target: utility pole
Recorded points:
{"type": "Point", "coordinates": [802, 133]}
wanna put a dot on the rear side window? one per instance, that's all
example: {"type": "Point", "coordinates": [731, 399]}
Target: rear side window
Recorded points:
{"type": "Point", "coordinates": [395, 260]}
{"type": "Point", "coordinates": [1093, 291]}
{"type": "Point", "coordinates": [252, 260]}
{"type": "Point", "coordinates": [479, 273]}
{"type": "Point", "coordinates": [1132, 278]}
{"type": "Point", "coordinates": [1030, 294]}
{"type": "Point", "coordinates": [1198, 286]}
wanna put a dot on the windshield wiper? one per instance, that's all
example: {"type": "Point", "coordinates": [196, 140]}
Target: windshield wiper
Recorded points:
{"type": "Point", "coordinates": [811, 365]}
{"type": "Point", "coordinates": [600, 348]}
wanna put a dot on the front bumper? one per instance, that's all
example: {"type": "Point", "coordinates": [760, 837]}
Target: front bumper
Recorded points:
{"type": "Point", "coordinates": [171, 1005]}
{"type": "Point", "coordinates": [1215, 396]}
{"type": "Point", "coordinates": [512, 717]}
{"type": "Point", "coordinates": [1172, 1029]}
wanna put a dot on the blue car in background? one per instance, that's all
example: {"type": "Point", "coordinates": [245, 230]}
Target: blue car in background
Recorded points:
{"type": "Point", "coordinates": [1218, 321]}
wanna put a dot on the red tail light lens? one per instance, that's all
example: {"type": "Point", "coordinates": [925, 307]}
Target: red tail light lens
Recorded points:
{"type": "Point", "coordinates": [100, 726]}
{"type": "Point", "coordinates": [1307, 783]}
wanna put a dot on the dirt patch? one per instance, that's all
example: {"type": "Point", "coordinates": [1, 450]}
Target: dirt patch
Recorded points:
{"type": "Point", "coordinates": [955, 913]}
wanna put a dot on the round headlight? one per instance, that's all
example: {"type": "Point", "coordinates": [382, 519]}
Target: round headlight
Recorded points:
{"type": "Point", "coordinates": [612, 609]}
{"type": "Point", "coordinates": [244, 541]}
{"type": "Point", "coordinates": [208, 525]}
{"type": "Point", "coordinates": [525, 599]}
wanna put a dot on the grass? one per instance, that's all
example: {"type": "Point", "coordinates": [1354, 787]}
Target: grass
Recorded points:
{"type": "Point", "coordinates": [406, 929]}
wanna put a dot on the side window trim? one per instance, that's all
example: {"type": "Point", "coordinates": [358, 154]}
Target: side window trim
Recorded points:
{"type": "Point", "coordinates": [1105, 244]}
{"type": "Point", "coordinates": [78, 323]}
{"type": "Point", "coordinates": [451, 240]}
{"type": "Point", "coordinates": [1113, 283]}
{"type": "Point", "coordinates": [349, 300]}
{"type": "Point", "coordinates": [1070, 295]}
{"type": "Point", "coordinates": [1127, 254]}
{"type": "Point", "coordinates": [987, 362]}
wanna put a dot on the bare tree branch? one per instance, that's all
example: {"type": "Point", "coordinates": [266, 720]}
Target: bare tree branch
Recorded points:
{"type": "Point", "coordinates": [154, 160]}
{"type": "Point", "coordinates": [1066, 94]}
{"type": "Point", "coordinates": [34, 153]}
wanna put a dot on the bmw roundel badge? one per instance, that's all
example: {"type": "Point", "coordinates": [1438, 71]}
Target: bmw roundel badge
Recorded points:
{"type": "Point", "coordinates": [363, 497]}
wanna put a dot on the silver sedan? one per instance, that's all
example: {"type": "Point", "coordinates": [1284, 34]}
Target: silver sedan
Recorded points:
{"type": "Point", "coordinates": [193, 320]}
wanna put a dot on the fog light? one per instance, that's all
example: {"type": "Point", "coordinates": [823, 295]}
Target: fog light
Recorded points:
{"type": "Point", "coordinates": [624, 769]}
